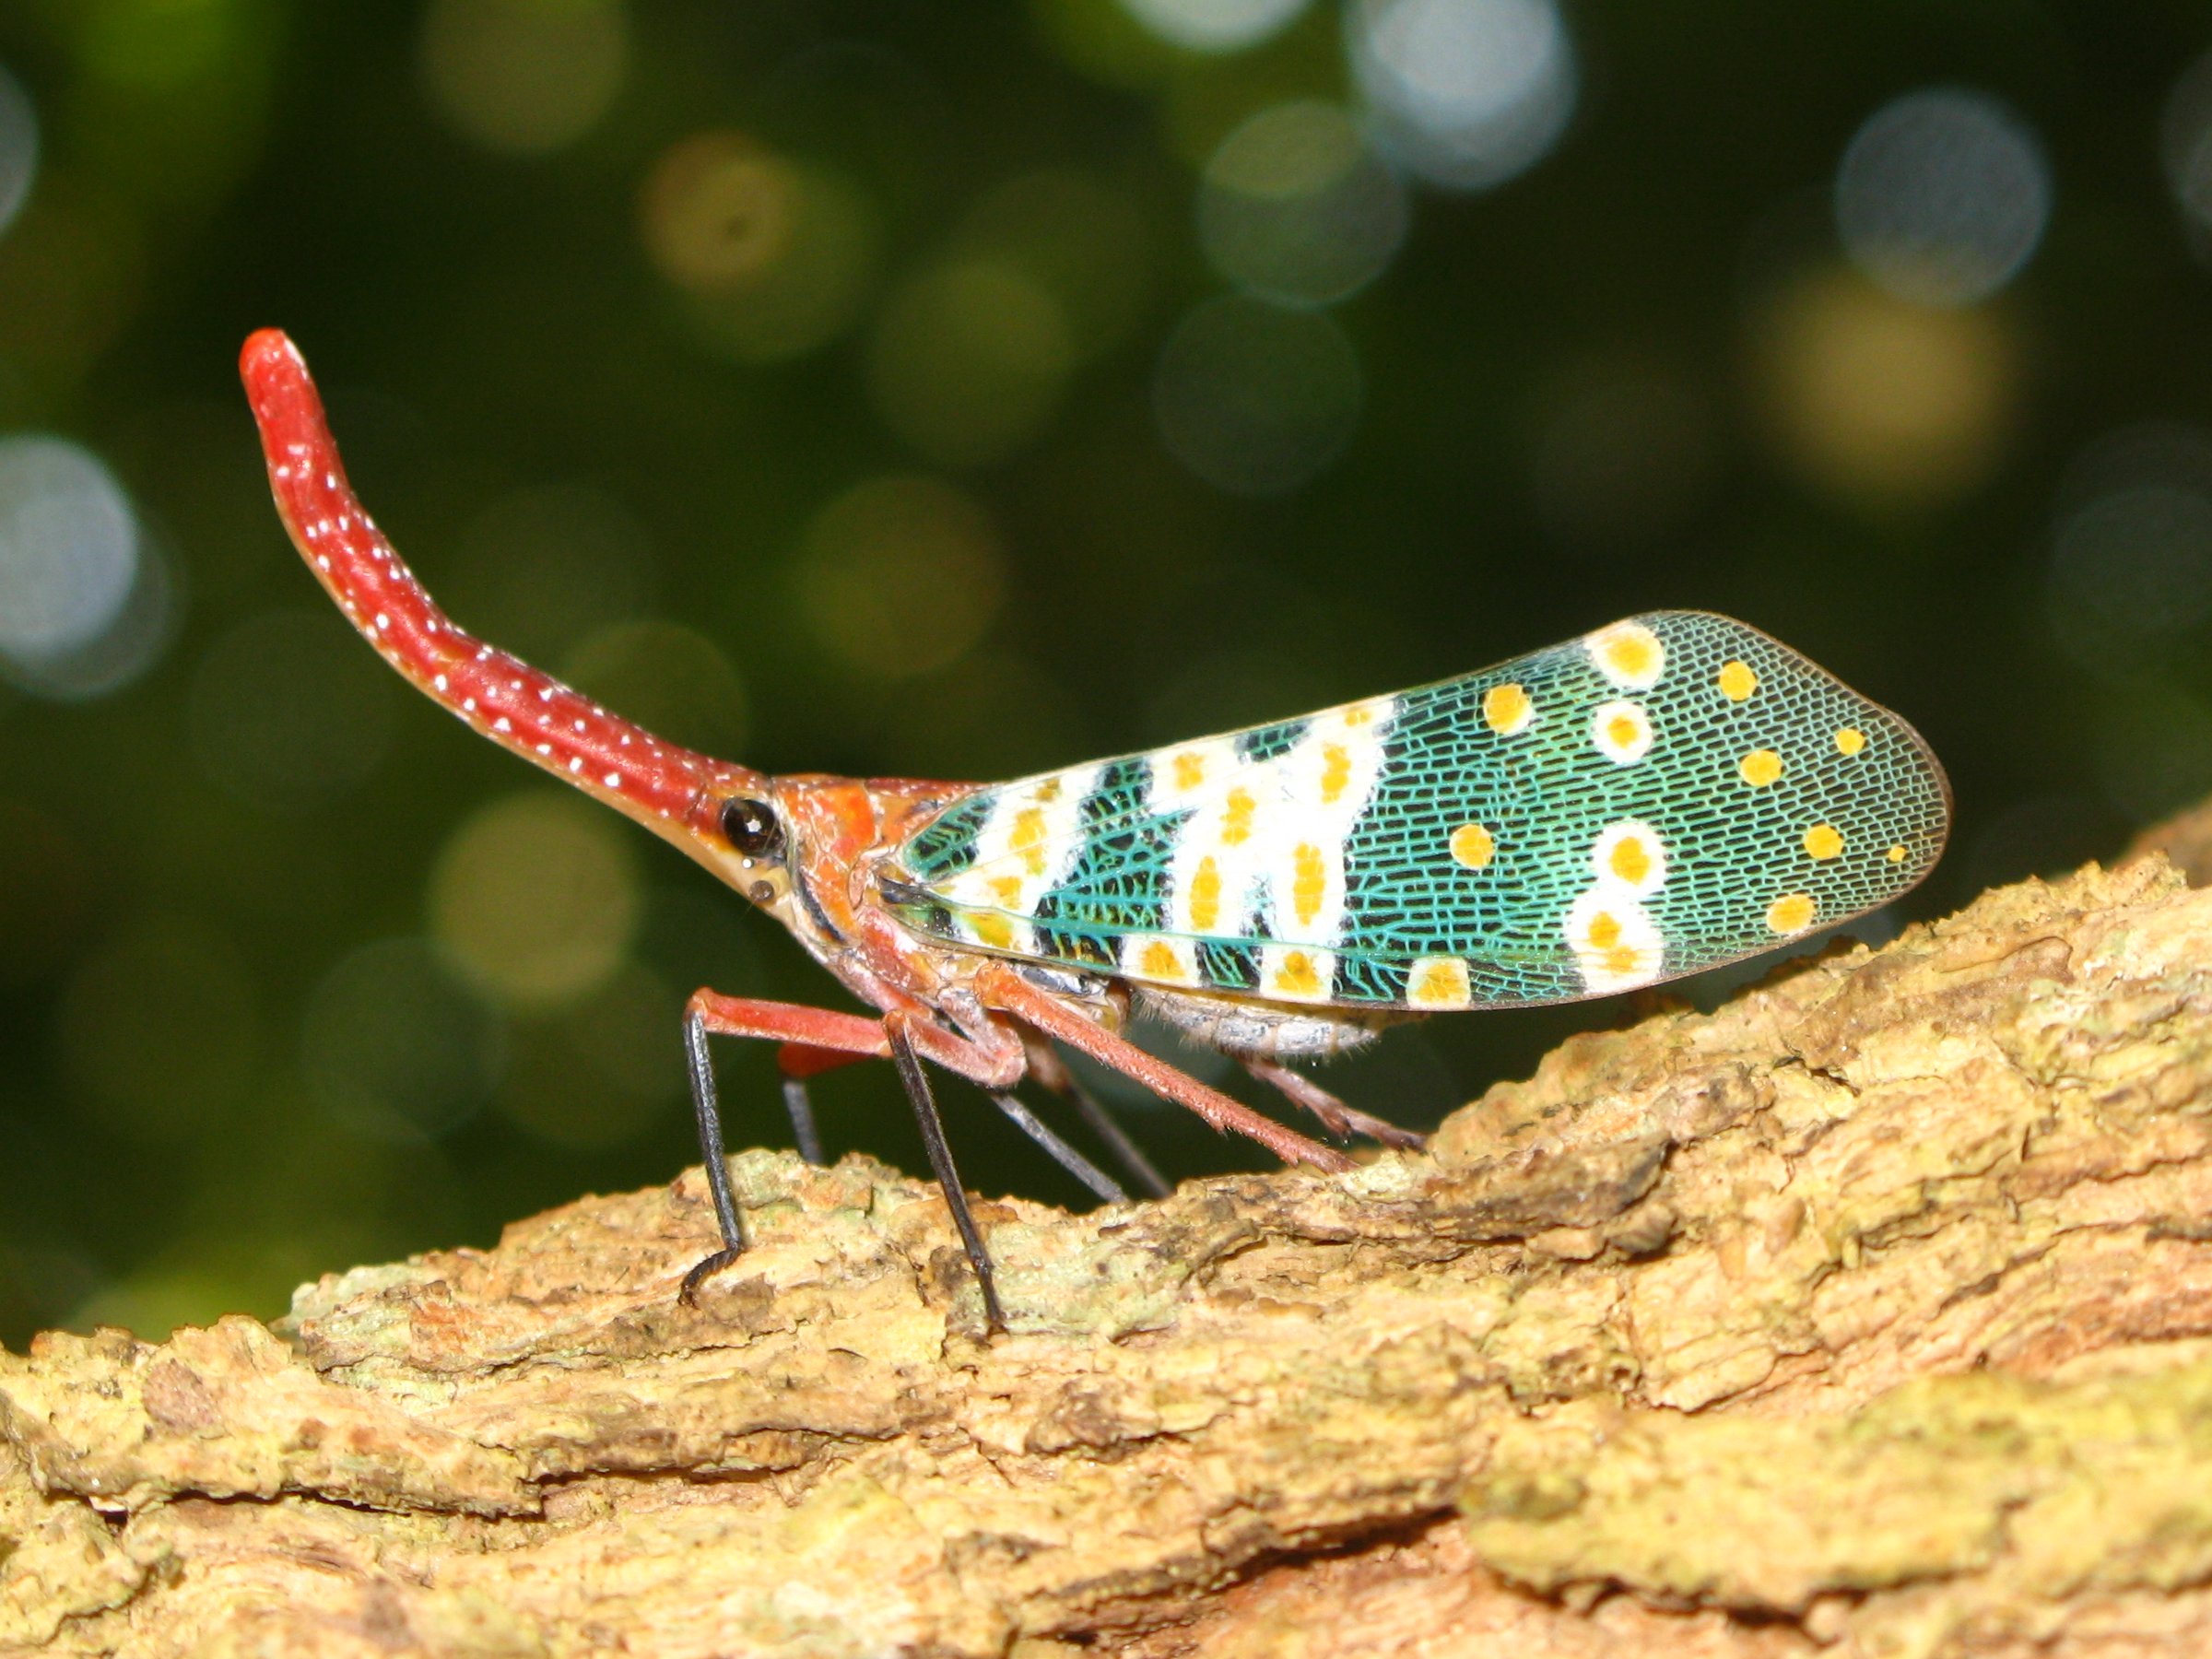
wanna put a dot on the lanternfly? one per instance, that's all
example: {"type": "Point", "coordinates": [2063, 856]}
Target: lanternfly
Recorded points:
{"type": "Point", "coordinates": [1661, 796]}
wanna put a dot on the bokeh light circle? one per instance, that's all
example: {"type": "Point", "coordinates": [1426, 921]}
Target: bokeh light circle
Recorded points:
{"type": "Point", "coordinates": [18, 147]}
{"type": "Point", "coordinates": [1293, 206]}
{"type": "Point", "coordinates": [1942, 196]}
{"type": "Point", "coordinates": [2185, 146]}
{"type": "Point", "coordinates": [536, 899]}
{"type": "Point", "coordinates": [288, 711]}
{"type": "Point", "coordinates": [524, 78]}
{"type": "Point", "coordinates": [84, 601]}
{"type": "Point", "coordinates": [396, 1047]}
{"type": "Point", "coordinates": [1466, 93]}
{"type": "Point", "coordinates": [970, 359]}
{"type": "Point", "coordinates": [2130, 575]}
{"type": "Point", "coordinates": [901, 576]}
{"type": "Point", "coordinates": [1085, 240]}
{"type": "Point", "coordinates": [671, 679]}
{"type": "Point", "coordinates": [1216, 25]}
{"type": "Point", "coordinates": [774, 258]}
{"type": "Point", "coordinates": [1887, 404]}
{"type": "Point", "coordinates": [1256, 399]}
{"type": "Point", "coordinates": [541, 567]}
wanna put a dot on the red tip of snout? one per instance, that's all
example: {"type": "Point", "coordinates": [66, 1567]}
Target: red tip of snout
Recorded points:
{"type": "Point", "coordinates": [277, 380]}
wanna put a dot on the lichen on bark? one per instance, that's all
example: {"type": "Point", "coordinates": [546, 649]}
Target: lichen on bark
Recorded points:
{"type": "Point", "coordinates": [1870, 1314]}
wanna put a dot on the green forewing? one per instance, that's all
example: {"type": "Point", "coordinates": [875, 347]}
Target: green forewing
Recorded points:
{"type": "Point", "coordinates": [1661, 796]}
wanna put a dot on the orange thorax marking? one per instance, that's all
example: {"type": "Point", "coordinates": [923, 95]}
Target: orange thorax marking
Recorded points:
{"type": "Point", "coordinates": [836, 820]}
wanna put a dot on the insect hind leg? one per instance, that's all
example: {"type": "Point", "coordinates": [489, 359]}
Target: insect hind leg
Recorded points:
{"type": "Point", "coordinates": [1337, 1117]}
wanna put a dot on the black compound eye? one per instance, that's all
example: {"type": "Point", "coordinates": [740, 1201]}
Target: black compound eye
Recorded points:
{"type": "Point", "coordinates": [751, 826]}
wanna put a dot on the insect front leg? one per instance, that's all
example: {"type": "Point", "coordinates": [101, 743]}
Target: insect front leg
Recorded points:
{"type": "Point", "coordinates": [816, 1039]}
{"type": "Point", "coordinates": [1336, 1116]}
{"type": "Point", "coordinates": [803, 1031]}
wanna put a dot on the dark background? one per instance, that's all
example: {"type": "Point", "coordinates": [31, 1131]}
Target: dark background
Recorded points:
{"type": "Point", "coordinates": [963, 391]}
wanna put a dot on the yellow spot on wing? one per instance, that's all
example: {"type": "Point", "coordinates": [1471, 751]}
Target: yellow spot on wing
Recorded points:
{"type": "Point", "coordinates": [1790, 914]}
{"type": "Point", "coordinates": [1621, 731]}
{"type": "Point", "coordinates": [1604, 931]}
{"type": "Point", "coordinates": [1190, 770]}
{"type": "Point", "coordinates": [1737, 680]}
{"type": "Point", "coordinates": [1007, 889]}
{"type": "Point", "coordinates": [1506, 709]}
{"type": "Point", "coordinates": [1206, 895]}
{"type": "Point", "coordinates": [1628, 655]}
{"type": "Point", "coordinates": [1823, 841]}
{"type": "Point", "coordinates": [1439, 983]}
{"type": "Point", "coordinates": [1308, 882]}
{"type": "Point", "coordinates": [1236, 818]}
{"type": "Point", "coordinates": [994, 931]}
{"type": "Point", "coordinates": [1336, 771]}
{"type": "Point", "coordinates": [1759, 767]}
{"type": "Point", "coordinates": [1473, 845]}
{"type": "Point", "coordinates": [1631, 860]}
{"type": "Point", "coordinates": [1849, 740]}
{"type": "Point", "coordinates": [1027, 838]}
{"type": "Point", "coordinates": [1897, 855]}
{"type": "Point", "coordinates": [1297, 976]}
{"type": "Point", "coordinates": [1159, 960]}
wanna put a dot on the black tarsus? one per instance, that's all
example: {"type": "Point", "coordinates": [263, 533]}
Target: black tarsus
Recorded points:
{"type": "Point", "coordinates": [709, 1112]}
{"type": "Point", "coordinates": [940, 1160]}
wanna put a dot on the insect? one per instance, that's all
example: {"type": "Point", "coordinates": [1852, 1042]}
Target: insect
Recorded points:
{"type": "Point", "coordinates": [1662, 795]}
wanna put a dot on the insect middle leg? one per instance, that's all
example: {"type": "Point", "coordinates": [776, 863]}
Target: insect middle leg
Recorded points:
{"type": "Point", "coordinates": [1051, 1074]}
{"type": "Point", "coordinates": [799, 1063]}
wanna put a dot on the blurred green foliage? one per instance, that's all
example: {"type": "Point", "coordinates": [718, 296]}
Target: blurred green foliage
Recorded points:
{"type": "Point", "coordinates": [857, 386]}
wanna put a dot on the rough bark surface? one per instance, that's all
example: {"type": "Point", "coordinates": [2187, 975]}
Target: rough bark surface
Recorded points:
{"type": "Point", "coordinates": [1871, 1314]}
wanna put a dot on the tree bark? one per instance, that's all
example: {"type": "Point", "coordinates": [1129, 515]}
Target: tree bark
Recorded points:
{"type": "Point", "coordinates": [1868, 1314]}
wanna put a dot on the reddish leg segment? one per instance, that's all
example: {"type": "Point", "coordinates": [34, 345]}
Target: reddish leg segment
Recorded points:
{"type": "Point", "coordinates": [1335, 1116]}
{"type": "Point", "coordinates": [1002, 988]}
